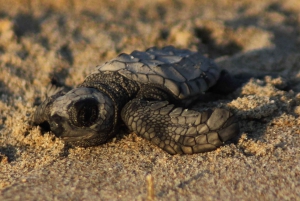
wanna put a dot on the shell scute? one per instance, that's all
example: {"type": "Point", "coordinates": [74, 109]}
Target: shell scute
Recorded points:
{"type": "Point", "coordinates": [182, 72]}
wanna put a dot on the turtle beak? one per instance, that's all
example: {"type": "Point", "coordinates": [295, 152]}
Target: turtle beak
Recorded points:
{"type": "Point", "coordinates": [42, 113]}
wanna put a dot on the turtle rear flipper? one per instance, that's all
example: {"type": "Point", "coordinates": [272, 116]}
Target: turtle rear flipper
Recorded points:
{"type": "Point", "coordinates": [179, 131]}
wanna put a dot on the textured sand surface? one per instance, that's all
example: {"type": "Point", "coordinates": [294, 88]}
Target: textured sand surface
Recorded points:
{"type": "Point", "coordinates": [257, 41]}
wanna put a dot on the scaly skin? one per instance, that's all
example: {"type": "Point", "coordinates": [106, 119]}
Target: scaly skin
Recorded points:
{"type": "Point", "coordinates": [179, 131]}
{"type": "Point", "coordinates": [147, 91]}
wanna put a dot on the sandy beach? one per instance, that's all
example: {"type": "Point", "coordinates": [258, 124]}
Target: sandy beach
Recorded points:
{"type": "Point", "coordinates": [256, 41]}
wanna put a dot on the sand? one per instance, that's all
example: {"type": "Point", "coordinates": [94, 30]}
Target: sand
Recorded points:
{"type": "Point", "coordinates": [257, 41]}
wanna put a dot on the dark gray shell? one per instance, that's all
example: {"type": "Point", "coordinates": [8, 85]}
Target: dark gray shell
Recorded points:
{"type": "Point", "coordinates": [182, 72]}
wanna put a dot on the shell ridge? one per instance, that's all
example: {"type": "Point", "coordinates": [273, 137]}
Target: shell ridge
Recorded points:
{"type": "Point", "coordinates": [184, 73]}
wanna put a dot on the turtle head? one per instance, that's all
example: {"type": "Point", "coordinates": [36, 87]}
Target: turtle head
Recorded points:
{"type": "Point", "coordinates": [83, 116]}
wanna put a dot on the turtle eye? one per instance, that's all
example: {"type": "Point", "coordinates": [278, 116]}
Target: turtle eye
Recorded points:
{"type": "Point", "coordinates": [84, 113]}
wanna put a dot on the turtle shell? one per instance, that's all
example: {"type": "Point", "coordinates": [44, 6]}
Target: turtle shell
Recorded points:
{"type": "Point", "coordinates": [183, 72]}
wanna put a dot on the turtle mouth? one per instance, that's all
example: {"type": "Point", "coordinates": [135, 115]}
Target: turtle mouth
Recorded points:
{"type": "Point", "coordinates": [78, 138]}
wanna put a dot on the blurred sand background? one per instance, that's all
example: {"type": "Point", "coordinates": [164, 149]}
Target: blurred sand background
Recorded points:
{"type": "Point", "coordinates": [66, 39]}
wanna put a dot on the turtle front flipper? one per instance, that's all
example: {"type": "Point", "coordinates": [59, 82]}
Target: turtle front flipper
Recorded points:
{"type": "Point", "coordinates": [177, 130]}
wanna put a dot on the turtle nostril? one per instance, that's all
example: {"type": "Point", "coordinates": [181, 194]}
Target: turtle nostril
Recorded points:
{"type": "Point", "coordinates": [56, 118]}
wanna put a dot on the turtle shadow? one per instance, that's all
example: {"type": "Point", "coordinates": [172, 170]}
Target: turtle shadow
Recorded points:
{"type": "Point", "coordinates": [252, 122]}
{"type": "Point", "coordinates": [256, 127]}
{"type": "Point", "coordinates": [276, 61]}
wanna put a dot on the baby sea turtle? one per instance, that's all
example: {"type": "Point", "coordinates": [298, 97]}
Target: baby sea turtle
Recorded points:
{"type": "Point", "coordinates": [147, 91]}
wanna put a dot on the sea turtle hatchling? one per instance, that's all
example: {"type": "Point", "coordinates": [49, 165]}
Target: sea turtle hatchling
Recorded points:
{"type": "Point", "coordinates": [148, 91]}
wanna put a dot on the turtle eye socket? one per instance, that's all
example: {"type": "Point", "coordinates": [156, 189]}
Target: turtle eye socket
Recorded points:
{"type": "Point", "coordinates": [84, 113]}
